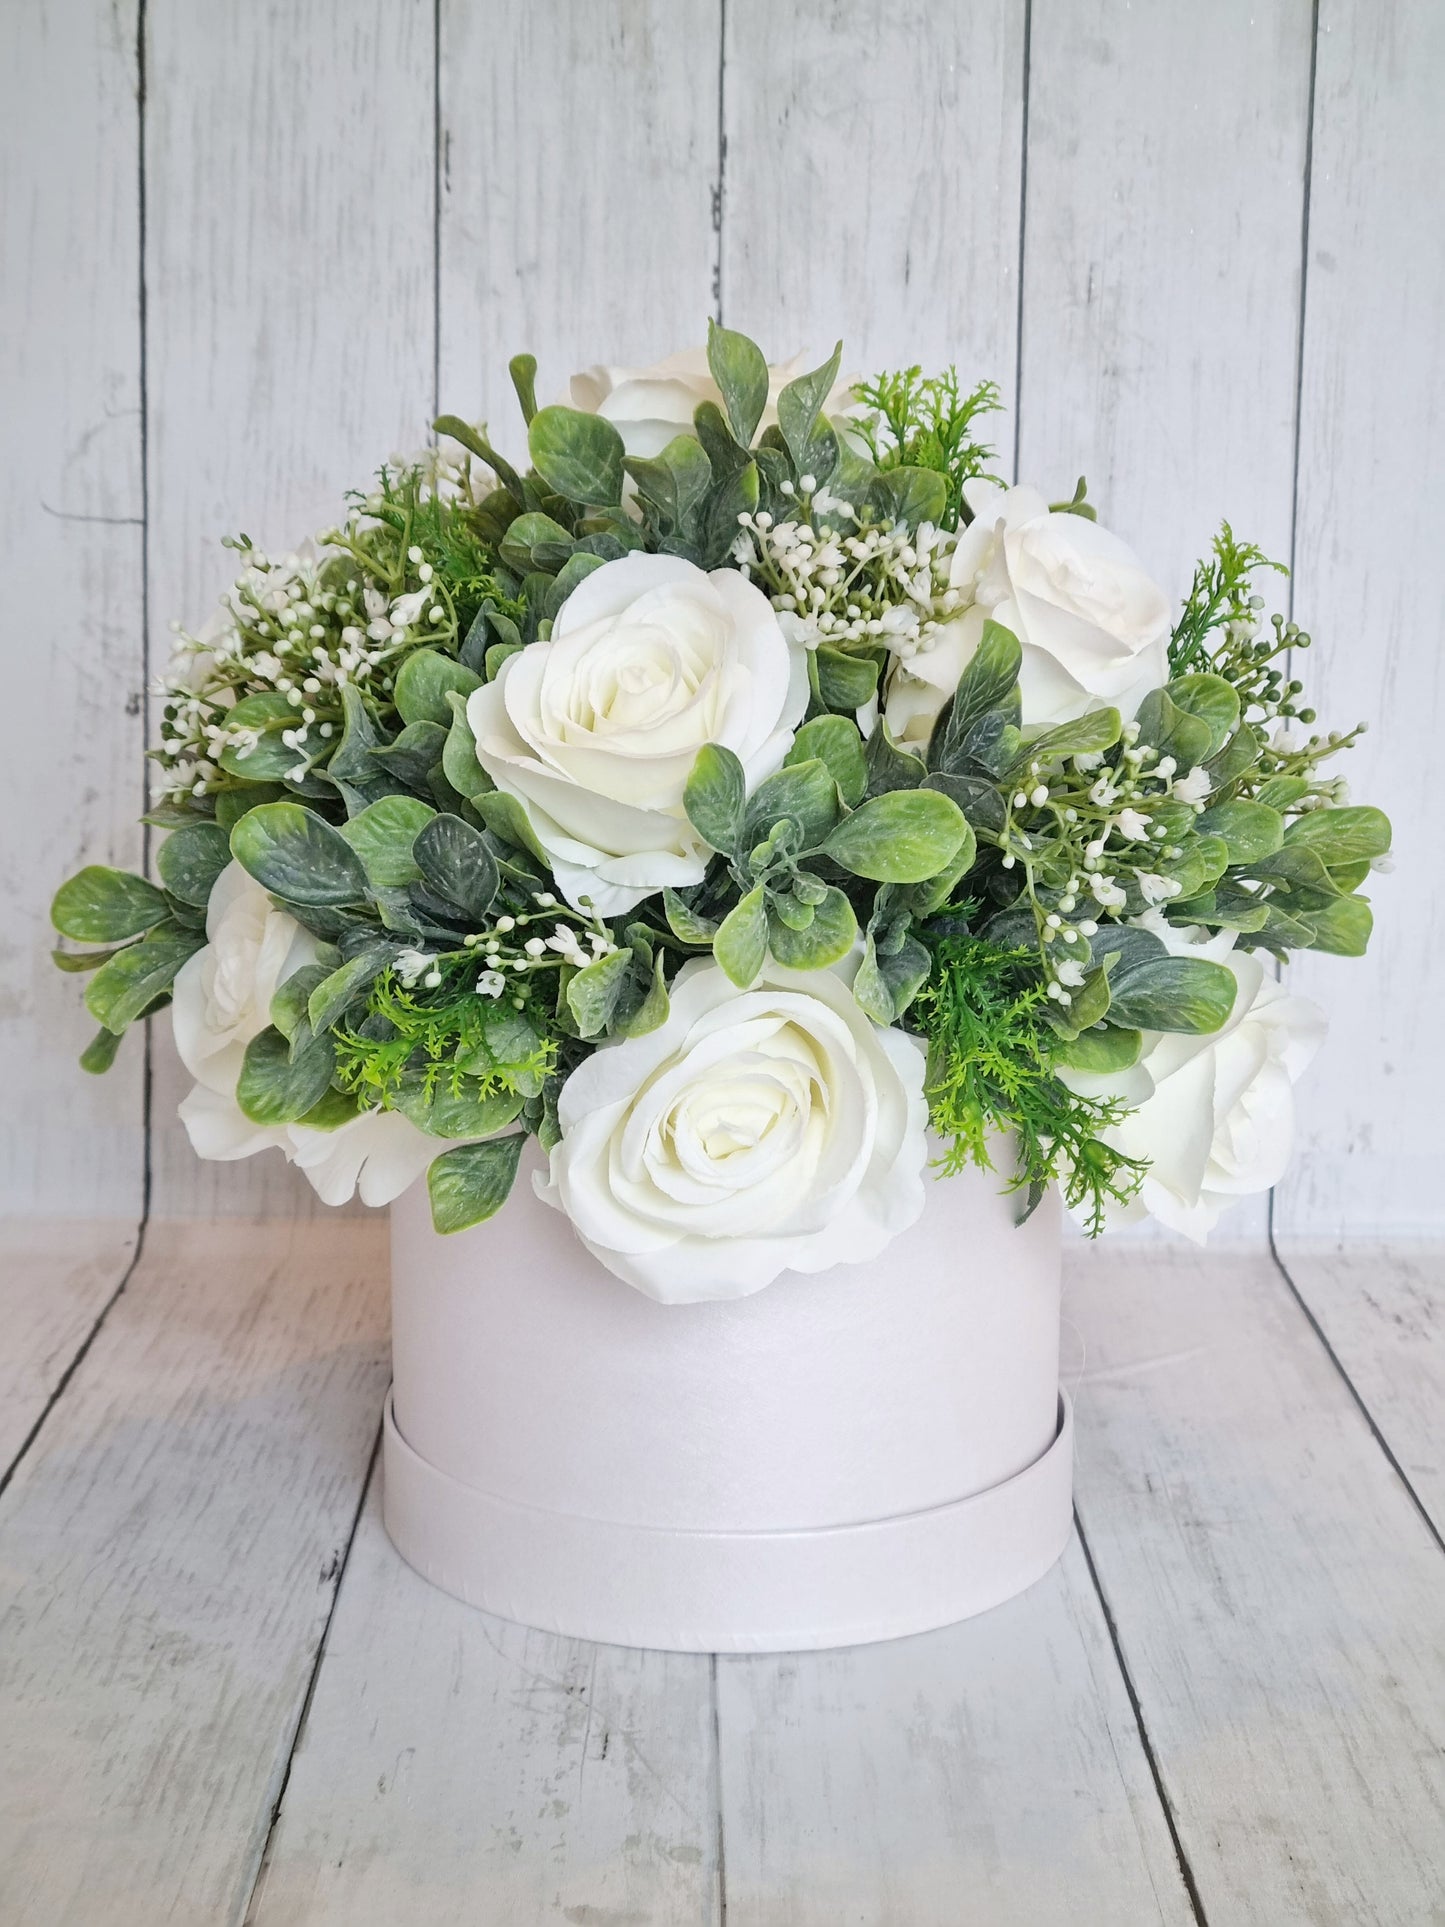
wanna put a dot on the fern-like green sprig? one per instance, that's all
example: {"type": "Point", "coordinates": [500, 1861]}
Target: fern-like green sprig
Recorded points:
{"type": "Point", "coordinates": [926, 421]}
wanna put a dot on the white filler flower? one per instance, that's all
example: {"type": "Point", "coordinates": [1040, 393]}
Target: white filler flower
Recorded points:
{"type": "Point", "coordinates": [650, 406]}
{"type": "Point", "coordinates": [758, 1131]}
{"type": "Point", "coordinates": [222, 999]}
{"type": "Point", "coordinates": [1093, 626]}
{"type": "Point", "coordinates": [595, 732]}
{"type": "Point", "coordinates": [1215, 1114]}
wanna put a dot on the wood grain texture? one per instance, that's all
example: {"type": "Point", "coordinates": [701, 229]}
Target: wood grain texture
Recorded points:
{"type": "Point", "coordinates": [70, 644]}
{"type": "Point", "coordinates": [871, 182]}
{"type": "Point", "coordinates": [455, 1769]}
{"type": "Point", "coordinates": [1279, 1600]}
{"type": "Point", "coordinates": [168, 1554]}
{"type": "Point", "coordinates": [1382, 1311]}
{"type": "Point", "coordinates": [290, 318]}
{"type": "Point", "coordinates": [56, 1278]}
{"type": "Point", "coordinates": [988, 1775]}
{"type": "Point", "coordinates": [579, 151]}
{"type": "Point", "coordinates": [1371, 500]}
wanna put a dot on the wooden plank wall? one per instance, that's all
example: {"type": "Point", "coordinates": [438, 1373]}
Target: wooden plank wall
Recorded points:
{"type": "Point", "coordinates": [1198, 247]}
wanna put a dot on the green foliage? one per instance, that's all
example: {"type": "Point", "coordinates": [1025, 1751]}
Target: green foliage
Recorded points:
{"type": "Point", "coordinates": [991, 1072]}
{"type": "Point", "coordinates": [927, 422]}
{"type": "Point", "coordinates": [471, 1183]}
{"type": "Point", "coordinates": [99, 905]}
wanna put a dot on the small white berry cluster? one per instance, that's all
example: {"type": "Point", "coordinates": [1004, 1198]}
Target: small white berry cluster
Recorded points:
{"type": "Point", "coordinates": [513, 947]}
{"type": "Point", "coordinates": [877, 585]}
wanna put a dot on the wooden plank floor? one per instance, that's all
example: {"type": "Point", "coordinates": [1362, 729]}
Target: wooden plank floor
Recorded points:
{"type": "Point", "coordinates": [224, 1699]}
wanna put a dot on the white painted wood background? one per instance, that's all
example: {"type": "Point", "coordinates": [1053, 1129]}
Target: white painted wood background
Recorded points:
{"type": "Point", "coordinates": [246, 251]}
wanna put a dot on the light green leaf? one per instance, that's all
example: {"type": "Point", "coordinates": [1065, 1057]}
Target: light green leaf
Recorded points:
{"type": "Point", "coordinates": [804, 791]}
{"type": "Point", "coordinates": [834, 740]}
{"type": "Point", "coordinates": [278, 1085]}
{"type": "Point", "coordinates": [459, 757]}
{"type": "Point", "coordinates": [741, 373]}
{"type": "Point", "coordinates": [924, 898]}
{"type": "Point", "coordinates": [595, 992]}
{"type": "Point", "coordinates": [684, 922]}
{"type": "Point", "coordinates": [1101, 1051]}
{"type": "Point", "coordinates": [580, 456]}
{"type": "Point", "coordinates": [327, 999]}
{"type": "Point", "coordinates": [298, 856]}
{"type": "Point", "coordinates": [1251, 831]}
{"type": "Point", "coordinates": [800, 404]}
{"type": "Point", "coordinates": [191, 859]}
{"type": "Point", "coordinates": [463, 1112]}
{"type": "Point", "coordinates": [914, 495]}
{"type": "Point", "coordinates": [889, 767]}
{"type": "Point", "coordinates": [77, 962]}
{"type": "Point", "coordinates": [1343, 835]}
{"type": "Point", "coordinates": [651, 1013]}
{"type": "Point", "coordinates": [535, 541]}
{"type": "Point", "coordinates": [270, 759]}
{"type": "Point", "coordinates": [575, 569]}
{"type": "Point", "coordinates": [904, 836]}
{"type": "Point", "coordinates": [505, 817]}
{"type": "Point", "coordinates": [100, 905]}
{"type": "Point", "coordinates": [1342, 928]}
{"type": "Point", "coordinates": [423, 683]}
{"type": "Point", "coordinates": [714, 797]}
{"type": "Point", "coordinates": [1097, 729]}
{"type": "Point", "coordinates": [133, 979]}
{"type": "Point", "coordinates": [1209, 700]}
{"type": "Point", "coordinates": [1189, 994]}
{"type": "Point", "coordinates": [472, 1182]}
{"type": "Point", "coordinates": [290, 999]}
{"type": "Point", "coordinates": [741, 944]}
{"type": "Point", "coordinates": [844, 683]}
{"type": "Point", "coordinates": [1171, 731]}
{"type": "Point", "coordinates": [827, 937]}
{"type": "Point", "coordinates": [382, 836]}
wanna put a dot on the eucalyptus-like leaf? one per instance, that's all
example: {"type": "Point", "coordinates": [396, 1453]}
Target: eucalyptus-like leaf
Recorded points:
{"type": "Point", "coordinates": [594, 994]}
{"type": "Point", "coordinates": [741, 373]}
{"type": "Point", "coordinates": [1191, 994]}
{"type": "Point", "coordinates": [232, 804]}
{"type": "Point", "coordinates": [715, 796]}
{"type": "Point", "coordinates": [886, 985]}
{"type": "Point", "coordinates": [1341, 835]}
{"type": "Point", "coordinates": [101, 905]}
{"type": "Point", "coordinates": [800, 404]}
{"type": "Point", "coordinates": [904, 836]}
{"type": "Point", "coordinates": [536, 541]}
{"type": "Point", "coordinates": [382, 836]}
{"type": "Point", "coordinates": [472, 1183]}
{"type": "Point", "coordinates": [826, 938]}
{"type": "Point", "coordinates": [684, 922]}
{"type": "Point", "coordinates": [844, 683]}
{"type": "Point", "coordinates": [1101, 1051]}
{"type": "Point", "coordinates": [422, 684]}
{"type": "Point", "coordinates": [804, 791]}
{"type": "Point", "coordinates": [580, 456]}
{"type": "Point", "coordinates": [575, 569]}
{"type": "Point", "coordinates": [459, 755]}
{"type": "Point", "coordinates": [914, 495]}
{"type": "Point", "coordinates": [191, 859]}
{"type": "Point", "coordinates": [1342, 928]}
{"type": "Point", "coordinates": [327, 1000]}
{"type": "Point", "coordinates": [99, 1053]}
{"type": "Point", "coordinates": [476, 444]}
{"type": "Point", "coordinates": [298, 856]}
{"type": "Point", "coordinates": [834, 741]}
{"type": "Point", "coordinates": [988, 679]}
{"type": "Point", "coordinates": [1172, 731]}
{"type": "Point", "coordinates": [889, 767]}
{"type": "Point", "coordinates": [268, 759]}
{"type": "Point", "coordinates": [1097, 729]}
{"type": "Point", "coordinates": [1251, 831]}
{"type": "Point", "coordinates": [290, 999]}
{"type": "Point", "coordinates": [741, 944]}
{"type": "Point", "coordinates": [505, 817]}
{"type": "Point", "coordinates": [414, 754]}
{"type": "Point", "coordinates": [458, 864]}
{"type": "Point", "coordinates": [1211, 701]}
{"type": "Point", "coordinates": [121, 989]}
{"type": "Point", "coordinates": [976, 796]}
{"type": "Point", "coordinates": [647, 1013]}
{"type": "Point", "coordinates": [455, 1108]}
{"type": "Point", "coordinates": [279, 1084]}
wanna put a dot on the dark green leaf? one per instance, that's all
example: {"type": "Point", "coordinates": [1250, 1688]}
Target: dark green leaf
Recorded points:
{"type": "Point", "coordinates": [741, 373]}
{"type": "Point", "coordinates": [414, 755]}
{"type": "Point", "coordinates": [458, 864]}
{"type": "Point", "coordinates": [889, 767]}
{"type": "Point", "coordinates": [77, 962]}
{"type": "Point", "coordinates": [278, 1085]}
{"type": "Point", "coordinates": [289, 1003]}
{"type": "Point", "coordinates": [423, 682]}
{"type": "Point", "coordinates": [1097, 729]}
{"type": "Point", "coordinates": [738, 495]}
{"type": "Point", "coordinates": [914, 495]}
{"type": "Point", "coordinates": [885, 986]}
{"type": "Point", "coordinates": [472, 1182]}
{"type": "Point", "coordinates": [595, 992]}
{"type": "Point", "coordinates": [845, 683]}
{"type": "Point", "coordinates": [191, 859]}
{"type": "Point", "coordinates": [1211, 701]}
{"type": "Point", "coordinates": [800, 404]}
{"type": "Point", "coordinates": [684, 922]}
{"type": "Point", "coordinates": [988, 680]}
{"type": "Point", "coordinates": [328, 999]}
{"type": "Point", "coordinates": [580, 456]}
{"type": "Point", "coordinates": [523, 370]}
{"type": "Point", "coordinates": [1189, 994]}
{"type": "Point", "coordinates": [505, 817]}
{"type": "Point", "coordinates": [459, 757]}
{"type": "Point", "coordinates": [297, 855]}
{"type": "Point", "coordinates": [1165, 727]}
{"type": "Point", "coordinates": [121, 989]}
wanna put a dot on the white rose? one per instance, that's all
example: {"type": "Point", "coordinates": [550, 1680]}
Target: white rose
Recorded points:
{"type": "Point", "coordinates": [1215, 1114]}
{"type": "Point", "coordinates": [650, 406]}
{"type": "Point", "coordinates": [221, 1000]}
{"type": "Point", "coordinates": [596, 731]}
{"type": "Point", "coordinates": [757, 1131]}
{"type": "Point", "coordinates": [1093, 626]}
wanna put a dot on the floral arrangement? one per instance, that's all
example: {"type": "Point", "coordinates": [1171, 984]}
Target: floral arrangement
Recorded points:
{"type": "Point", "coordinates": [749, 789]}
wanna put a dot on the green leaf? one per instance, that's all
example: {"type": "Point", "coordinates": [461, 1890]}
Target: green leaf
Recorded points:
{"type": "Point", "coordinates": [457, 863]}
{"type": "Point", "coordinates": [270, 759]}
{"type": "Point", "coordinates": [1209, 700]}
{"type": "Point", "coordinates": [1239, 754]}
{"type": "Point", "coordinates": [1251, 831]}
{"type": "Point", "coordinates": [232, 804]}
{"type": "Point", "coordinates": [651, 1012]}
{"type": "Point", "coordinates": [463, 432]}
{"type": "Point", "coordinates": [915, 495]}
{"type": "Point", "coordinates": [595, 992]}
{"type": "Point", "coordinates": [461, 1112]}
{"type": "Point", "coordinates": [382, 836]}
{"type": "Point", "coordinates": [505, 817]}
{"type": "Point", "coordinates": [298, 856]}
{"type": "Point", "coordinates": [459, 757]}
{"type": "Point", "coordinates": [191, 859]}
{"type": "Point", "coordinates": [845, 683]}
{"type": "Point", "coordinates": [1342, 928]}
{"type": "Point", "coordinates": [886, 986]}
{"type": "Point", "coordinates": [1189, 994]}
{"type": "Point", "coordinates": [1283, 792]}
{"type": "Point", "coordinates": [423, 682]}
{"type": "Point", "coordinates": [99, 1053]}
{"type": "Point", "coordinates": [289, 1001]}
{"type": "Point", "coordinates": [523, 370]}
{"type": "Point", "coordinates": [1341, 836]}
{"type": "Point", "coordinates": [353, 761]}
{"type": "Point", "coordinates": [472, 1182]}
{"type": "Point", "coordinates": [800, 404]}
{"type": "Point", "coordinates": [576, 569]}
{"type": "Point", "coordinates": [715, 796]}
{"type": "Point", "coordinates": [1101, 1051]}
{"type": "Point", "coordinates": [805, 792]}
{"type": "Point", "coordinates": [1098, 729]}
{"type": "Point", "coordinates": [741, 944]}
{"type": "Point", "coordinates": [535, 541]}
{"type": "Point", "coordinates": [331, 1110]}
{"type": "Point", "coordinates": [279, 1086]}
{"type": "Point", "coordinates": [987, 682]}
{"type": "Point", "coordinates": [99, 905]}
{"type": "Point", "coordinates": [414, 754]}
{"type": "Point", "coordinates": [889, 767]}
{"type": "Point", "coordinates": [736, 496]}
{"type": "Point", "coordinates": [905, 836]}
{"type": "Point", "coordinates": [924, 898]}
{"type": "Point", "coordinates": [741, 373]}
{"type": "Point", "coordinates": [580, 456]}
{"type": "Point", "coordinates": [121, 989]}
{"type": "Point", "coordinates": [77, 962]}
{"type": "Point", "coordinates": [684, 922]}
{"type": "Point", "coordinates": [1169, 730]}
{"type": "Point", "coordinates": [327, 999]}
{"type": "Point", "coordinates": [828, 937]}
{"type": "Point", "coordinates": [834, 740]}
